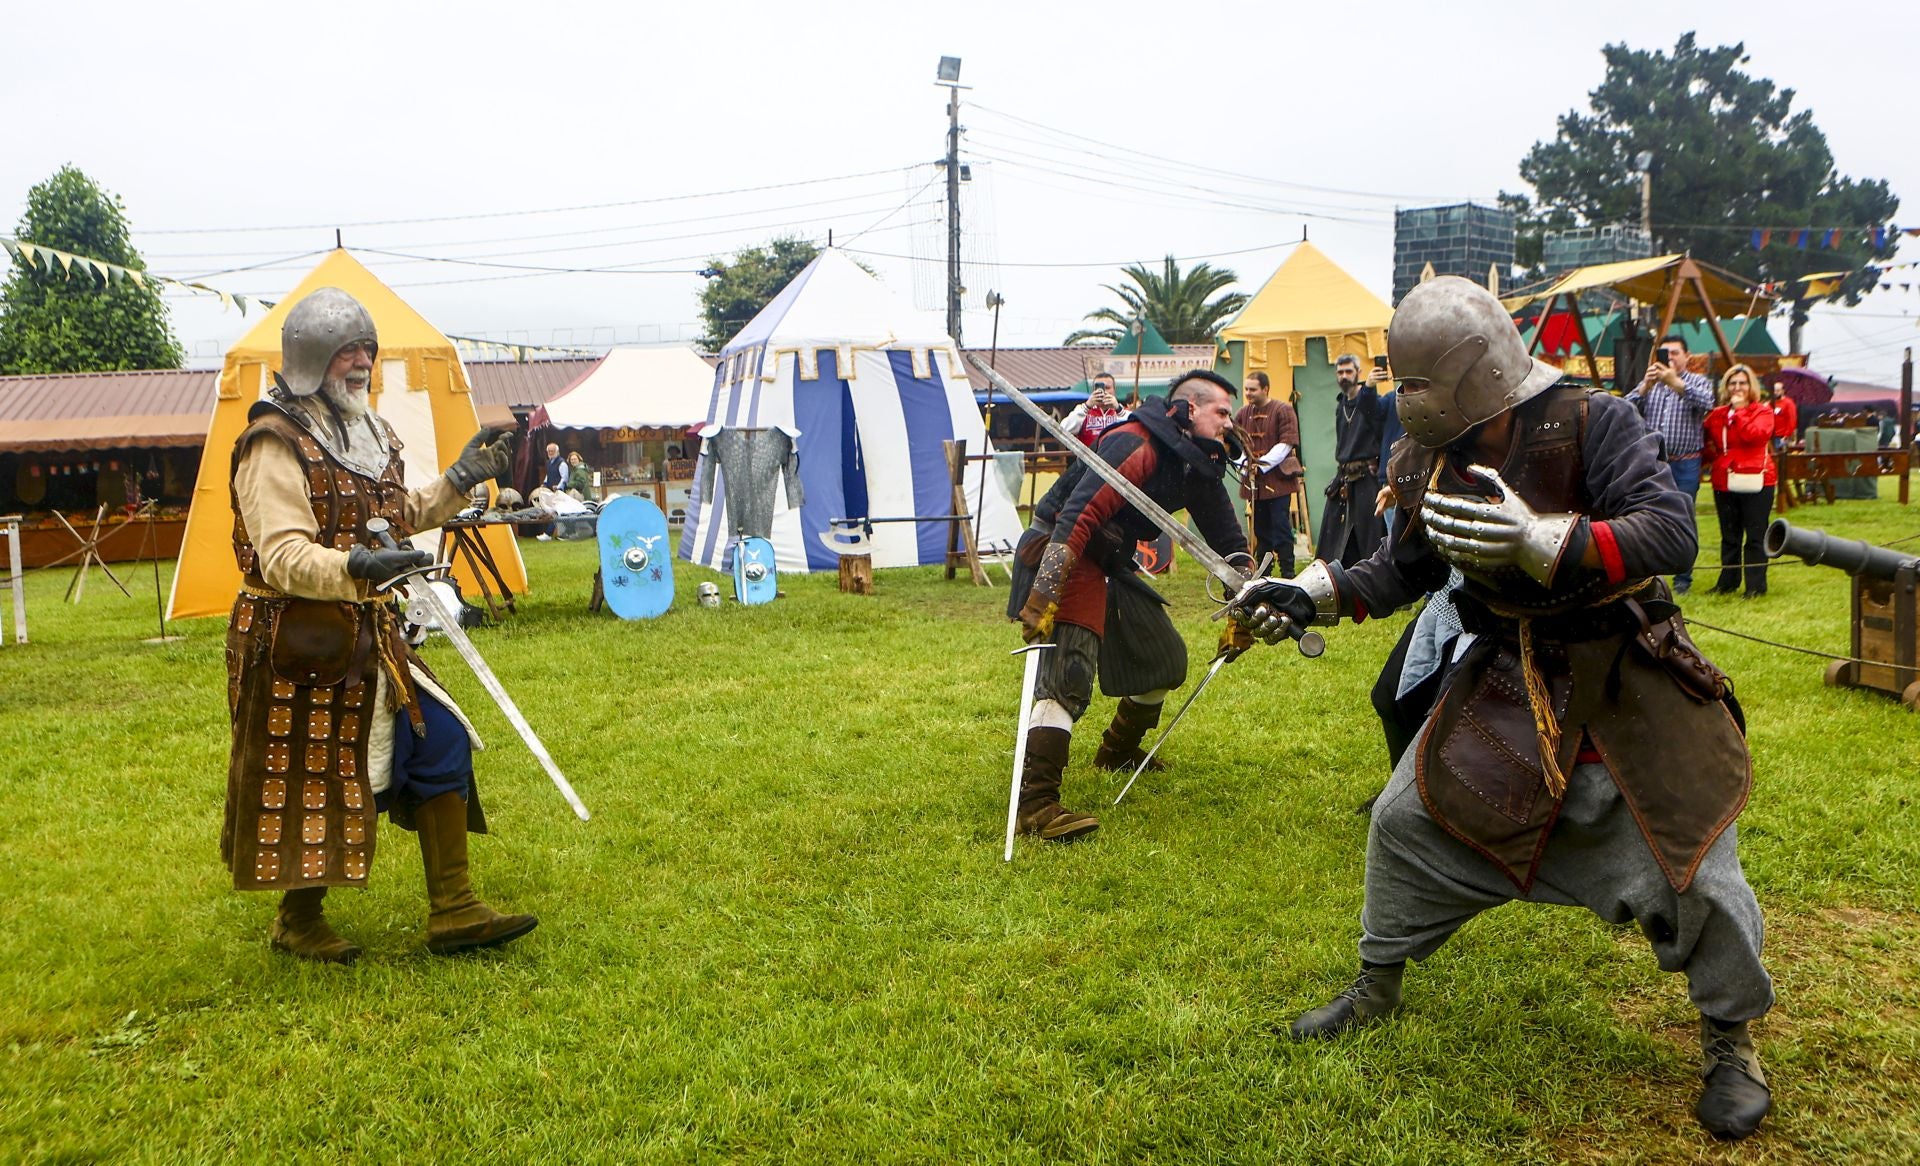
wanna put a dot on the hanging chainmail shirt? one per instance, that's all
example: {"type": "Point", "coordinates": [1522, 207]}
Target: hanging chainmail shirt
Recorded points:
{"type": "Point", "coordinates": [751, 461]}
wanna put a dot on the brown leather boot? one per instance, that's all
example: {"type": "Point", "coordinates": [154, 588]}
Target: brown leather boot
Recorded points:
{"type": "Point", "coordinates": [300, 929]}
{"type": "Point", "coordinates": [458, 920]}
{"type": "Point", "coordinates": [1120, 744]}
{"type": "Point", "coordinates": [1041, 813]}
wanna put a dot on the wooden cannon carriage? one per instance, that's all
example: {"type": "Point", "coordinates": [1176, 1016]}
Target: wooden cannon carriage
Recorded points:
{"type": "Point", "coordinates": [1886, 634]}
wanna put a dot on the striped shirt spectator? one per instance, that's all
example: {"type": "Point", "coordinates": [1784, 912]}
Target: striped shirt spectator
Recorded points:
{"type": "Point", "coordinates": [1676, 417]}
{"type": "Point", "coordinates": [1675, 402]}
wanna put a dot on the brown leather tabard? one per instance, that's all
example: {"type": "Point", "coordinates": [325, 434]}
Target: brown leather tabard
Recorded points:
{"type": "Point", "coordinates": [1678, 758]}
{"type": "Point", "coordinates": [300, 686]}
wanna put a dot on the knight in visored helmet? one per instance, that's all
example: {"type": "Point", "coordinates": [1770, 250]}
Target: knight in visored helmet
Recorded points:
{"type": "Point", "coordinates": [1582, 750]}
{"type": "Point", "coordinates": [335, 718]}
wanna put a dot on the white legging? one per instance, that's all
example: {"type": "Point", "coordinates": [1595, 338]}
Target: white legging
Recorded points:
{"type": "Point", "coordinates": [1051, 714]}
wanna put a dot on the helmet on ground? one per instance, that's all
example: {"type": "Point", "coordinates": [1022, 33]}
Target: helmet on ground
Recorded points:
{"type": "Point", "coordinates": [319, 326]}
{"type": "Point", "coordinates": [1458, 359]}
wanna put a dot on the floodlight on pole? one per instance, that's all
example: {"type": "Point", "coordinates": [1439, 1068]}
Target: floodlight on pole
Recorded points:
{"type": "Point", "coordinates": [949, 70]}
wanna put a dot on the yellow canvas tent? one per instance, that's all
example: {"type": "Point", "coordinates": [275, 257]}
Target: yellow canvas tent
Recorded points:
{"type": "Point", "coordinates": [1309, 313]}
{"type": "Point", "coordinates": [419, 387]}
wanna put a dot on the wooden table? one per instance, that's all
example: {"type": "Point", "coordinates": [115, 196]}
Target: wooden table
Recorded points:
{"type": "Point", "coordinates": [1817, 471]}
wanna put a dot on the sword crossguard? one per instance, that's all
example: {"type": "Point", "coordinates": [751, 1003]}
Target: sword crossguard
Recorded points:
{"type": "Point", "coordinates": [414, 573]}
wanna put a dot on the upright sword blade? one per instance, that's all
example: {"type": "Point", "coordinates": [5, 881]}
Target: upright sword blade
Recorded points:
{"type": "Point", "coordinates": [421, 591]}
{"type": "Point", "coordinates": [1029, 681]}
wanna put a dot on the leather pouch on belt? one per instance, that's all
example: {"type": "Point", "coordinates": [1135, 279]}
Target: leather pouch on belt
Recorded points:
{"type": "Point", "coordinates": [1663, 639]}
{"type": "Point", "coordinates": [315, 641]}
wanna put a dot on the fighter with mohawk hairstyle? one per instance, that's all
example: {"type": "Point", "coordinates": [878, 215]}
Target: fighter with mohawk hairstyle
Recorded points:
{"type": "Point", "coordinates": [1075, 586]}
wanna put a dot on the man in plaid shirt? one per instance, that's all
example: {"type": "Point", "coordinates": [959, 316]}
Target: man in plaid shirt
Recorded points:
{"type": "Point", "coordinates": [1675, 402]}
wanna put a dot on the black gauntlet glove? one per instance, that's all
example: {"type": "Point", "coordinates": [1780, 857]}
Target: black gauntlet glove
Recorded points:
{"type": "Point", "coordinates": [378, 566]}
{"type": "Point", "coordinates": [1273, 609]}
{"type": "Point", "coordinates": [488, 454]}
{"type": "Point", "coordinates": [1266, 606]}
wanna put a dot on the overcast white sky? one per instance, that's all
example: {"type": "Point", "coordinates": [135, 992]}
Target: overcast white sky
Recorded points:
{"type": "Point", "coordinates": [213, 119]}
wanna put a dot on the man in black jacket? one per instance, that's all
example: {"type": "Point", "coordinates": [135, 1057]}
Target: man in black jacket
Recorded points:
{"type": "Point", "coordinates": [1075, 586]}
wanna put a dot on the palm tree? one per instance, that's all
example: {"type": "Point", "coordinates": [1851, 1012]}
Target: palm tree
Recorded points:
{"type": "Point", "coordinates": [1176, 304]}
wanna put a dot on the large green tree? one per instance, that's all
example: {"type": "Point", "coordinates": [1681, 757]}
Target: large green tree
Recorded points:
{"type": "Point", "coordinates": [1175, 303]}
{"type": "Point", "coordinates": [740, 286]}
{"type": "Point", "coordinates": [1730, 154]}
{"type": "Point", "coordinates": [60, 321]}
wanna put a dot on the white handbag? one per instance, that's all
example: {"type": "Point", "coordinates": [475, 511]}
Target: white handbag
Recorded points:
{"type": "Point", "coordinates": [1739, 483]}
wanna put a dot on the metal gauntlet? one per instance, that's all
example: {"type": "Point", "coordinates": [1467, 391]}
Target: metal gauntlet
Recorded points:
{"type": "Point", "coordinates": [1480, 536]}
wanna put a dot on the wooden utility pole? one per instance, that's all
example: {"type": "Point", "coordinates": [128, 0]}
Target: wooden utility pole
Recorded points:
{"type": "Point", "coordinates": [953, 209]}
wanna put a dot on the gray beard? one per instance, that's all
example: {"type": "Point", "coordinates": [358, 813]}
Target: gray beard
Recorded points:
{"type": "Point", "coordinates": [346, 396]}
{"type": "Point", "coordinates": [341, 421]}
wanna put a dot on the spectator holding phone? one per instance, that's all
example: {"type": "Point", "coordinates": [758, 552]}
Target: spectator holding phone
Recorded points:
{"type": "Point", "coordinates": [1674, 401]}
{"type": "Point", "coordinates": [1100, 412]}
{"type": "Point", "coordinates": [1736, 436]}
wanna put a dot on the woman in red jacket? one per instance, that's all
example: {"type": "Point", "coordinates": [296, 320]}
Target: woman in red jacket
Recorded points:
{"type": "Point", "coordinates": [1739, 433]}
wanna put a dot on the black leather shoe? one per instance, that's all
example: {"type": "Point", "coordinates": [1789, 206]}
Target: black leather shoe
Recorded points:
{"type": "Point", "coordinates": [1373, 994]}
{"type": "Point", "coordinates": [1735, 1098]}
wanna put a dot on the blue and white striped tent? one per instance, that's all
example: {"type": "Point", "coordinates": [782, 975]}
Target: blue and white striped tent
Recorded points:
{"type": "Point", "coordinates": [873, 388]}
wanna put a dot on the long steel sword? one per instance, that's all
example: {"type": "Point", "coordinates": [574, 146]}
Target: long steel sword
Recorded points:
{"type": "Point", "coordinates": [1219, 568]}
{"type": "Point", "coordinates": [421, 591]}
{"type": "Point", "coordinates": [1029, 680]}
{"type": "Point", "coordinates": [1311, 643]}
{"type": "Point", "coordinates": [1218, 662]}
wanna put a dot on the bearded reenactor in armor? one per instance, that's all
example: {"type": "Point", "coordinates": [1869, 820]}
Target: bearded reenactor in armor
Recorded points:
{"type": "Point", "coordinates": [1582, 751]}
{"type": "Point", "coordinates": [1076, 586]}
{"type": "Point", "coordinates": [334, 716]}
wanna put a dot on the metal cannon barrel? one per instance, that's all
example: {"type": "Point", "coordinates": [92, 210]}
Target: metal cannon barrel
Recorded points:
{"type": "Point", "coordinates": [1821, 549]}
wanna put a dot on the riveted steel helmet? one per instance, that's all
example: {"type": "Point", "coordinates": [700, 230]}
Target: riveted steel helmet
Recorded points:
{"type": "Point", "coordinates": [318, 327]}
{"type": "Point", "coordinates": [1459, 360]}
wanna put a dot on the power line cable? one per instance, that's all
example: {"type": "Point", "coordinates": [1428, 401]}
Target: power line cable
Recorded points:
{"type": "Point", "coordinates": [1211, 169]}
{"type": "Point", "coordinates": [561, 234]}
{"type": "Point", "coordinates": [527, 213]}
{"type": "Point", "coordinates": [1127, 162]}
{"type": "Point", "coordinates": [1105, 178]}
{"type": "Point", "coordinates": [896, 210]}
{"type": "Point", "coordinates": [1107, 184]}
{"type": "Point", "coordinates": [1113, 263]}
{"type": "Point", "coordinates": [618, 270]}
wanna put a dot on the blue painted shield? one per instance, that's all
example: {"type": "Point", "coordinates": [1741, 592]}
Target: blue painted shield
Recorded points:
{"type": "Point", "coordinates": [754, 579]}
{"type": "Point", "coordinates": [636, 559]}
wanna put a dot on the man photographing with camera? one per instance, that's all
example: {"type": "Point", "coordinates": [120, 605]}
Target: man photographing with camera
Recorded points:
{"type": "Point", "coordinates": [1674, 401]}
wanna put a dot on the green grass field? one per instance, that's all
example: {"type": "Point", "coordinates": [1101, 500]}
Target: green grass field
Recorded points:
{"type": "Point", "coordinates": [787, 935]}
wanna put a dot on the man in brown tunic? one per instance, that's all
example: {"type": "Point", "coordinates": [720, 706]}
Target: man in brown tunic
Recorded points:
{"type": "Point", "coordinates": [1582, 750]}
{"type": "Point", "coordinates": [334, 716]}
{"type": "Point", "coordinates": [1270, 430]}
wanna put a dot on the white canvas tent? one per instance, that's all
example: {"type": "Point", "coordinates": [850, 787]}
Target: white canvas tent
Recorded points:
{"type": "Point", "coordinates": [874, 389]}
{"type": "Point", "coordinates": [634, 388]}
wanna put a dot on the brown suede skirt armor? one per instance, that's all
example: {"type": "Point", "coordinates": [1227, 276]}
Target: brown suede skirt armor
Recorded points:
{"type": "Point", "coordinates": [302, 675]}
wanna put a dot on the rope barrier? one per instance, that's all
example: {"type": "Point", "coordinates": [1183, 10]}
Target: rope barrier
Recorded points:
{"type": "Point", "coordinates": [1694, 623]}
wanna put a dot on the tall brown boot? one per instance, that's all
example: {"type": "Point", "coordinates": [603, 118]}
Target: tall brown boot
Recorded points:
{"type": "Point", "coordinates": [458, 920]}
{"type": "Point", "coordinates": [1120, 744]}
{"type": "Point", "coordinates": [1041, 813]}
{"type": "Point", "coordinates": [300, 929]}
